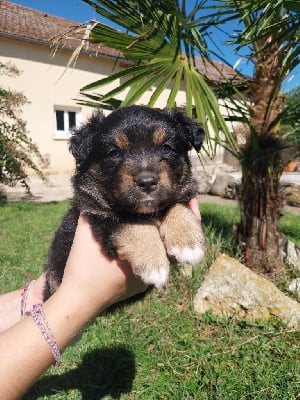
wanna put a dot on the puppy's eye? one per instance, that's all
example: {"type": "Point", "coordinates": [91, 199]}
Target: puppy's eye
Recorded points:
{"type": "Point", "coordinates": [165, 149]}
{"type": "Point", "coordinates": [115, 154]}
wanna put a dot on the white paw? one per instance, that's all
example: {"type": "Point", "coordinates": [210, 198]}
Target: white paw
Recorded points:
{"type": "Point", "coordinates": [187, 255]}
{"type": "Point", "coordinates": [157, 277]}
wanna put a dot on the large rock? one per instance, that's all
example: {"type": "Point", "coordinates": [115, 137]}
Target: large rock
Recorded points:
{"type": "Point", "coordinates": [224, 185]}
{"type": "Point", "coordinates": [203, 181]}
{"type": "Point", "coordinates": [292, 193]}
{"type": "Point", "coordinates": [233, 290]}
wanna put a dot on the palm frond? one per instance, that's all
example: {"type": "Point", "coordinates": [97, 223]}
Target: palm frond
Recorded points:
{"type": "Point", "coordinates": [163, 41]}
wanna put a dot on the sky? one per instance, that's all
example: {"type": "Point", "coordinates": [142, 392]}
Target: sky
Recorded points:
{"type": "Point", "coordinates": [79, 11]}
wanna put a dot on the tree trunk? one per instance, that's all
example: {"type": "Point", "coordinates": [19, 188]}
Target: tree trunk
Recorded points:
{"type": "Point", "coordinates": [261, 199]}
{"type": "Point", "coordinates": [261, 202]}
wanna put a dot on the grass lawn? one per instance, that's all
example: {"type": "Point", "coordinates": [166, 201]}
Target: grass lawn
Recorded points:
{"type": "Point", "coordinates": [157, 347]}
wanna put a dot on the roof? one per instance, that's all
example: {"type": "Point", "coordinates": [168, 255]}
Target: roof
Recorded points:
{"type": "Point", "coordinates": [35, 26]}
{"type": "Point", "coordinates": [31, 25]}
{"type": "Point", "coordinates": [217, 71]}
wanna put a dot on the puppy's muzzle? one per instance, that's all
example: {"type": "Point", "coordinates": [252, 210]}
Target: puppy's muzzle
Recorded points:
{"type": "Point", "coordinates": [147, 182]}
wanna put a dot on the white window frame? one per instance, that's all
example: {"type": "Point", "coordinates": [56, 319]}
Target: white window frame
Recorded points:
{"type": "Point", "coordinates": [66, 133]}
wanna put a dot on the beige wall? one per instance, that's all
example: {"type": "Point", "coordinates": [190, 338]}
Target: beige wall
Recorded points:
{"type": "Point", "coordinates": [47, 84]}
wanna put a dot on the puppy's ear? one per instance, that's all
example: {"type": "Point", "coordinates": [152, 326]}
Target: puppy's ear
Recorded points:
{"type": "Point", "coordinates": [190, 128]}
{"type": "Point", "coordinates": [81, 141]}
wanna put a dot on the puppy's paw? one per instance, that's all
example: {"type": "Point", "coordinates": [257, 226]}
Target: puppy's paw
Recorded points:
{"type": "Point", "coordinates": [156, 276]}
{"type": "Point", "coordinates": [141, 246]}
{"type": "Point", "coordinates": [187, 255]}
{"type": "Point", "coordinates": [182, 235]}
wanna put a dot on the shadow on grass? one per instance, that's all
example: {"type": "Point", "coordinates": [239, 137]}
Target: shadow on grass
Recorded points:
{"type": "Point", "coordinates": [103, 372]}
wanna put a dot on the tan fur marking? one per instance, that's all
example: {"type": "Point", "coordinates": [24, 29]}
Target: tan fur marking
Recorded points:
{"type": "Point", "coordinates": [141, 246]}
{"type": "Point", "coordinates": [121, 140]}
{"type": "Point", "coordinates": [164, 178]}
{"type": "Point", "coordinates": [126, 180]}
{"type": "Point", "coordinates": [181, 229]}
{"type": "Point", "coordinates": [159, 136]}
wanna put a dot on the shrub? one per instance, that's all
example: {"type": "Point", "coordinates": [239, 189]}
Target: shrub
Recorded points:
{"type": "Point", "coordinates": [18, 154]}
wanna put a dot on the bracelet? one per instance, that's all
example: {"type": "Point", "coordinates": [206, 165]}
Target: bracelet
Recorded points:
{"type": "Point", "coordinates": [41, 322]}
{"type": "Point", "coordinates": [24, 297]}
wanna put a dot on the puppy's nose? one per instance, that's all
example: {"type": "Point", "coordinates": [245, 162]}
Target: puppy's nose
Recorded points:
{"type": "Point", "coordinates": [147, 182]}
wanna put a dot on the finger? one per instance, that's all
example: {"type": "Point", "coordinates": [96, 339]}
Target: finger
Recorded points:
{"type": "Point", "coordinates": [194, 206]}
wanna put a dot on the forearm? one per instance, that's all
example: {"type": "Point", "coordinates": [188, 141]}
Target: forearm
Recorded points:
{"type": "Point", "coordinates": [90, 284]}
{"type": "Point", "coordinates": [25, 354]}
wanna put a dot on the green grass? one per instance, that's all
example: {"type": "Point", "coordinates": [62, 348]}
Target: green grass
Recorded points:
{"type": "Point", "coordinates": [157, 347]}
{"type": "Point", "coordinates": [290, 226]}
{"type": "Point", "coordinates": [25, 235]}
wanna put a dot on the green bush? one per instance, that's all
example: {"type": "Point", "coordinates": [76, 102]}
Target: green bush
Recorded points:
{"type": "Point", "coordinates": [18, 154]}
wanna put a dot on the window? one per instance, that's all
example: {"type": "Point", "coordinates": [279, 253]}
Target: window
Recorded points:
{"type": "Point", "coordinates": [65, 121]}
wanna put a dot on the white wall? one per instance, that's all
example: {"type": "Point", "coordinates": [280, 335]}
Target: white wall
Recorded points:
{"type": "Point", "coordinates": [46, 83]}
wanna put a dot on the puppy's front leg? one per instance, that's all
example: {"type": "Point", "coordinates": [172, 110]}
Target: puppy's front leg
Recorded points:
{"type": "Point", "coordinates": [182, 235]}
{"type": "Point", "coordinates": [140, 244]}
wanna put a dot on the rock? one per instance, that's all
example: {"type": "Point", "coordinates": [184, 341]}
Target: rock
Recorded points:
{"type": "Point", "coordinates": [223, 185]}
{"type": "Point", "coordinates": [292, 193]}
{"type": "Point", "coordinates": [233, 290]}
{"type": "Point", "coordinates": [294, 286]}
{"type": "Point", "coordinates": [292, 255]}
{"type": "Point", "coordinates": [203, 182]}
{"type": "Point", "coordinates": [232, 190]}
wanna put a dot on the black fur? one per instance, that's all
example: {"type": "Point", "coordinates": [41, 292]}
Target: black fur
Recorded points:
{"type": "Point", "coordinates": [112, 183]}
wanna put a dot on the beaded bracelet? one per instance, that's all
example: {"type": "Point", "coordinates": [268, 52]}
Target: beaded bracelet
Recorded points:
{"type": "Point", "coordinates": [41, 322]}
{"type": "Point", "coordinates": [24, 297]}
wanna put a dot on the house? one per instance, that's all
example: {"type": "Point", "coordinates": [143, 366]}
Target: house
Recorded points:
{"type": "Point", "coordinates": [26, 40]}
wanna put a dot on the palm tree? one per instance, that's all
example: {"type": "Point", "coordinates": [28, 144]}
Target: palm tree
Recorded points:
{"type": "Point", "coordinates": [161, 41]}
{"type": "Point", "coordinates": [271, 32]}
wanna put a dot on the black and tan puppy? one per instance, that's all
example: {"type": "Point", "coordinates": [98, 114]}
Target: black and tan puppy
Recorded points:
{"type": "Point", "coordinates": [133, 181]}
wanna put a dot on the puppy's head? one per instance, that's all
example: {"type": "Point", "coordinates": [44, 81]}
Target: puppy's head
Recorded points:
{"type": "Point", "coordinates": [137, 157]}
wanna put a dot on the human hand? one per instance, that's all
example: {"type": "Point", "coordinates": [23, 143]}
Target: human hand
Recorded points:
{"type": "Point", "coordinates": [93, 276]}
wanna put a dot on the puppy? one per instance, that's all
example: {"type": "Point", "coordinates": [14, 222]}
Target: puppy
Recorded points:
{"type": "Point", "coordinates": [133, 181]}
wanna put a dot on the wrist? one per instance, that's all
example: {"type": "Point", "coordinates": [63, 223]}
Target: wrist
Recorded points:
{"type": "Point", "coordinates": [98, 285]}
{"type": "Point", "coordinates": [66, 317]}
{"type": "Point", "coordinates": [86, 298]}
